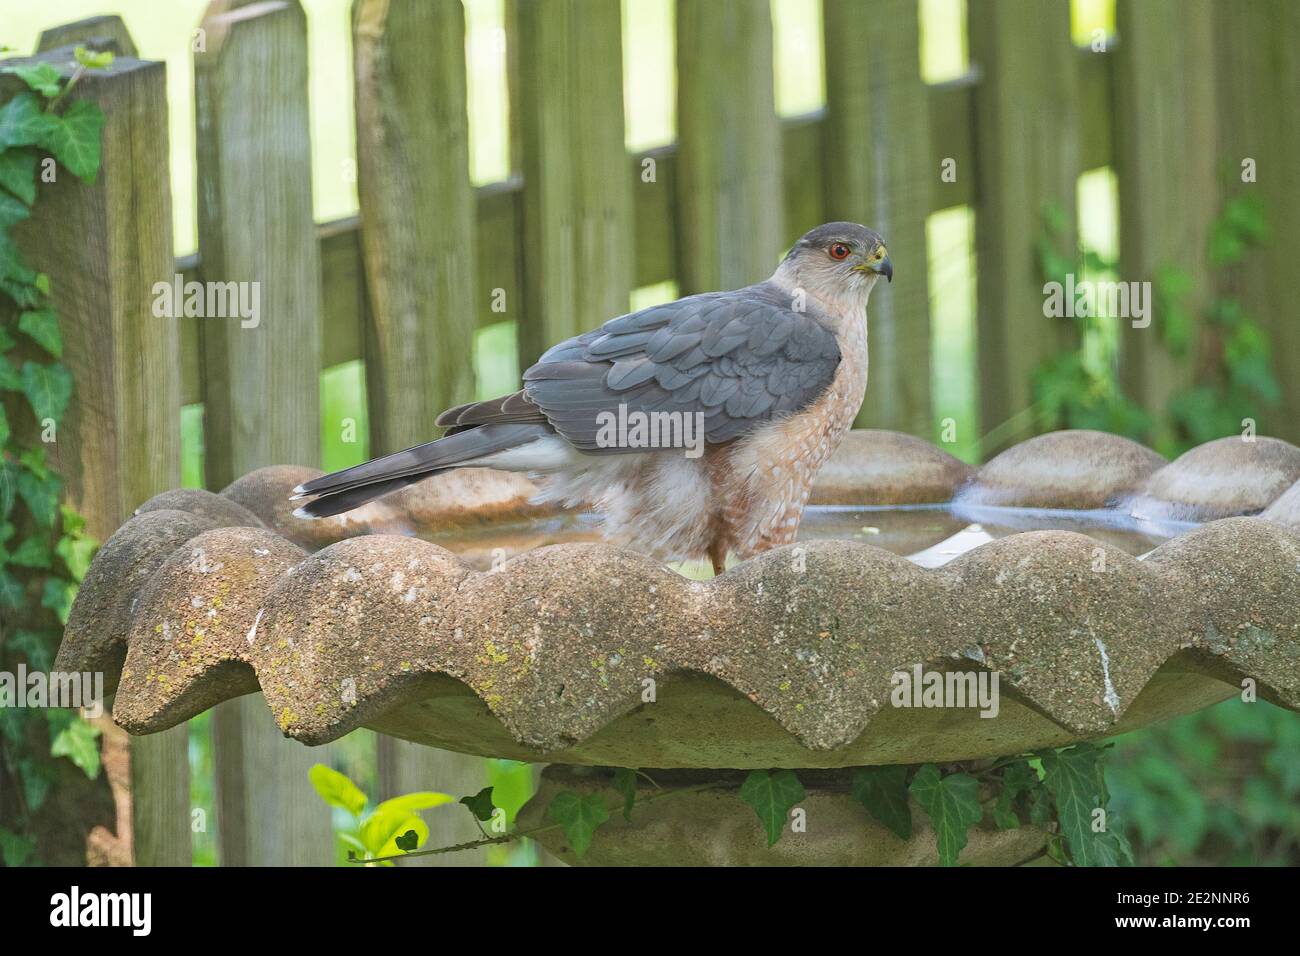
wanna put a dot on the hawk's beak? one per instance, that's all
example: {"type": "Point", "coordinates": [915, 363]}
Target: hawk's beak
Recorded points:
{"type": "Point", "coordinates": [879, 264]}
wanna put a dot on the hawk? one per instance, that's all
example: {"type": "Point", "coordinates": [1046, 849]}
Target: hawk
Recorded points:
{"type": "Point", "coordinates": [695, 428]}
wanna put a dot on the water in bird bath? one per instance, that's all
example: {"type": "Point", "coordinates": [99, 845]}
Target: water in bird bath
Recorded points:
{"type": "Point", "coordinates": [930, 535]}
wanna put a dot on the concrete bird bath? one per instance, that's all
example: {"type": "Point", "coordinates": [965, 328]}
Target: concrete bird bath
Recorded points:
{"type": "Point", "coordinates": [456, 615]}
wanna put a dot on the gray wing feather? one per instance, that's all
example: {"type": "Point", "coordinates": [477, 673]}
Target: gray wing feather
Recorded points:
{"type": "Point", "coordinates": [740, 358]}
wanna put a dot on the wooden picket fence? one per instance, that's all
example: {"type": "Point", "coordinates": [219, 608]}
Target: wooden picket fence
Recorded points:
{"type": "Point", "coordinates": [581, 222]}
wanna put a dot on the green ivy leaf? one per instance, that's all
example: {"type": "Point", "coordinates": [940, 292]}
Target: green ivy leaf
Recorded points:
{"type": "Point", "coordinates": [18, 173]}
{"type": "Point", "coordinates": [42, 78]}
{"type": "Point", "coordinates": [625, 783]}
{"type": "Point", "coordinates": [73, 523]}
{"type": "Point", "coordinates": [32, 553]}
{"type": "Point", "coordinates": [76, 549]}
{"type": "Point", "coordinates": [74, 141]}
{"type": "Point", "coordinates": [14, 284]}
{"type": "Point", "coordinates": [1073, 777]}
{"type": "Point", "coordinates": [33, 459]}
{"type": "Point", "coordinates": [480, 804]}
{"type": "Point", "coordinates": [408, 841]}
{"type": "Point", "coordinates": [79, 742]}
{"type": "Point", "coordinates": [1245, 214]}
{"type": "Point", "coordinates": [772, 796]}
{"type": "Point", "coordinates": [578, 816]}
{"type": "Point", "coordinates": [58, 595]}
{"type": "Point", "coordinates": [1040, 807]}
{"type": "Point", "coordinates": [883, 791]}
{"type": "Point", "coordinates": [1018, 781]}
{"type": "Point", "coordinates": [952, 803]}
{"type": "Point", "coordinates": [41, 495]}
{"type": "Point", "coordinates": [24, 123]}
{"type": "Point", "coordinates": [337, 789]}
{"type": "Point", "coordinates": [42, 327]}
{"type": "Point", "coordinates": [48, 389]}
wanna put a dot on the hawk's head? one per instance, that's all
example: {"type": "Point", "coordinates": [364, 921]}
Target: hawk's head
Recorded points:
{"type": "Point", "coordinates": [838, 259]}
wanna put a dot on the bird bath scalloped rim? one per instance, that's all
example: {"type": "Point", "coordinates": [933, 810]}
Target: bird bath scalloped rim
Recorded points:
{"type": "Point", "coordinates": [786, 660]}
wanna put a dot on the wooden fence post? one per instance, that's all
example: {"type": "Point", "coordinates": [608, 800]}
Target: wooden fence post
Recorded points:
{"type": "Point", "coordinates": [104, 32]}
{"type": "Point", "coordinates": [417, 214]}
{"type": "Point", "coordinates": [879, 167]}
{"type": "Point", "coordinates": [104, 245]}
{"type": "Point", "coordinates": [417, 238]}
{"type": "Point", "coordinates": [578, 252]}
{"type": "Point", "coordinates": [1169, 176]}
{"type": "Point", "coordinates": [730, 216]}
{"type": "Point", "coordinates": [1026, 157]}
{"type": "Point", "coordinates": [1258, 86]}
{"type": "Point", "coordinates": [261, 379]}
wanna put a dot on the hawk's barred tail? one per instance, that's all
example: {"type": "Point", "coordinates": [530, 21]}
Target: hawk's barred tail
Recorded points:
{"type": "Point", "coordinates": [327, 506]}
{"type": "Point", "coordinates": [344, 490]}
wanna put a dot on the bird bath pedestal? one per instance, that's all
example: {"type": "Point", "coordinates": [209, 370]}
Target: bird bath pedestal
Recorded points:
{"type": "Point", "coordinates": [455, 615]}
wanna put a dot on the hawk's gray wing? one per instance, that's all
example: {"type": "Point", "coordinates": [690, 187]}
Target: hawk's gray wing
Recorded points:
{"type": "Point", "coordinates": [740, 358]}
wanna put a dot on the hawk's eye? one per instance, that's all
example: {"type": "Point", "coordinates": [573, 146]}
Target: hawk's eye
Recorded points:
{"type": "Point", "coordinates": [839, 251]}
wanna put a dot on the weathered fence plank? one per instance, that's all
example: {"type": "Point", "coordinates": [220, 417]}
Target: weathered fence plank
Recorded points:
{"type": "Point", "coordinates": [417, 239]}
{"type": "Point", "coordinates": [417, 213]}
{"type": "Point", "coordinates": [1258, 80]}
{"type": "Point", "coordinates": [578, 253]}
{"type": "Point", "coordinates": [730, 228]}
{"type": "Point", "coordinates": [1027, 157]}
{"type": "Point", "coordinates": [1168, 179]}
{"type": "Point", "coordinates": [803, 173]}
{"type": "Point", "coordinates": [104, 247]}
{"type": "Point", "coordinates": [260, 382]}
{"type": "Point", "coordinates": [879, 167]}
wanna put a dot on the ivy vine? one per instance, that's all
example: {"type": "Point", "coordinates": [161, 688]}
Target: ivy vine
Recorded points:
{"type": "Point", "coordinates": [44, 547]}
{"type": "Point", "coordinates": [1232, 374]}
{"type": "Point", "coordinates": [1061, 791]}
